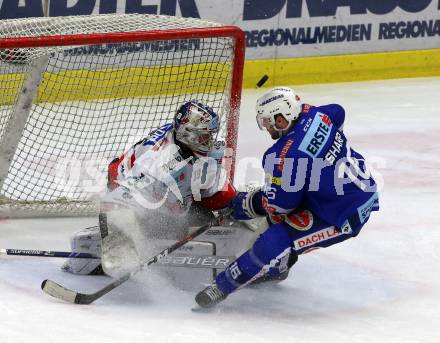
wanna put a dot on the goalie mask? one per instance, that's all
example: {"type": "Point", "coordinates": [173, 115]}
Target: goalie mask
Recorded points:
{"type": "Point", "coordinates": [196, 126]}
{"type": "Point", "coordinates": [278, 101]}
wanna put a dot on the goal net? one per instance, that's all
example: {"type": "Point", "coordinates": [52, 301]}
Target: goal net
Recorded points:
{"type": "Point", "coordinates": [76, 92]}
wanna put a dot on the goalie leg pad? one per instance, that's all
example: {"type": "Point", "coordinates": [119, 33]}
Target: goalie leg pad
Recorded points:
{"type": "Point", "coordinates": [119, 234]}
{"type": "Point", "coordinates": [184, 278]}
{"type": "Point", "coordinates": [85, 241]}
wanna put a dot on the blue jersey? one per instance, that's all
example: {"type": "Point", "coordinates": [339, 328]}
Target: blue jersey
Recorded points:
{"type": "Point", "coordinates": [313, 167]}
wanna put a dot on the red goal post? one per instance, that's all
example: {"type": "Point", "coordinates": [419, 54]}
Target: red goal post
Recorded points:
{"type": "Point", "coordinates": [210, 71]}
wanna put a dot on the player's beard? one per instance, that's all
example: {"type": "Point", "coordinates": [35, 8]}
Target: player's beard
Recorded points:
{"type": "Point", "coordinates": [274, 134]}
{"type": "Point", "coordinates": [277, 134]}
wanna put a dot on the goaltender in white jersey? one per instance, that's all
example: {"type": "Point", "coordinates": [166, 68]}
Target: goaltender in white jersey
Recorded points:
{"type": "Point", "coordinates": [165, 183]}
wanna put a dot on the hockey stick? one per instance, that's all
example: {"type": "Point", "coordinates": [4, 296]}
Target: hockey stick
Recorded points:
{"type": "Point", "coordinates": [57, 291]}
{"type": "Point", "coordinates": [187, 261]}
{"type": "Point", "coordinates": [196, 261]}
{"type": "Point", "coordinates": [45, 253]}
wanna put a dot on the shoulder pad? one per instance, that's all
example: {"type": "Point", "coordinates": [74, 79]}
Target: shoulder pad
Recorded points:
{"type": "Point", "coordinates": [157, 135]}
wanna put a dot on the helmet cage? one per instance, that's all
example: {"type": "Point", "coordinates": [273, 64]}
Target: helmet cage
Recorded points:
{"type": "Point", "coordinates": [196, 126]}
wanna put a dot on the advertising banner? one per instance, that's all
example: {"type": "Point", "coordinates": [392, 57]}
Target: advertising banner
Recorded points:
{"type": "Point", "coordinates": [282, 28]}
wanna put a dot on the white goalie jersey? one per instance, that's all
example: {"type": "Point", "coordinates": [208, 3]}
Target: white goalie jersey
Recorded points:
{"type": "Point", "coordinates": [159, 174]}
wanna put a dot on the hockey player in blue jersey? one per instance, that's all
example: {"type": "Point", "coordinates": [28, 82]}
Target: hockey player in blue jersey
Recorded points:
{"type": "Point", "coordinates": [318, 192]}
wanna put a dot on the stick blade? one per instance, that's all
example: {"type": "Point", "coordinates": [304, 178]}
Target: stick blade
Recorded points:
{"type": "Point", "coordinates": [57, 291]}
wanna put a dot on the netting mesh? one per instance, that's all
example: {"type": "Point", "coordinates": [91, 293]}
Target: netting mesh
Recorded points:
{"type": "Point", "coordinates": [92, 102]}
{"type": "Point", "coordinates": [104, 23]}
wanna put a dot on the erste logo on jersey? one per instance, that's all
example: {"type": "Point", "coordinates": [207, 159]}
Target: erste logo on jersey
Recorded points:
{"type": "Point", "coordinates": [317, 136]}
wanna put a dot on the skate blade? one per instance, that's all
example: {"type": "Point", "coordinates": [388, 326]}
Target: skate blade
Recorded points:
{"type": "Point", "coordinates": [199, 309]}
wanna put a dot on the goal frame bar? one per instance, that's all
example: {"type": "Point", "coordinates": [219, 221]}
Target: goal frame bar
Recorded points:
{"type": "Point", "coordinates": [156, 35]}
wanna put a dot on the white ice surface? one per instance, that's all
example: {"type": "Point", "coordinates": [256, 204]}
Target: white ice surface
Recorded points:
{"type": "Point", "coordinates": [383, 286]}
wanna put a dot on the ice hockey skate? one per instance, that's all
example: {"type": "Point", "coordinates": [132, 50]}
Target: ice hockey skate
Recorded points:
{"type": "Point", "coordinates": [210, 296]}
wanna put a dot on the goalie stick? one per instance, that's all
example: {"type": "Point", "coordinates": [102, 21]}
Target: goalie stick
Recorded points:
{"type": "Point", "coordinates": [45, 253]}
{"type": "Point", "coordinates": [57, 291]}
{"type": "Point", "coordinates": [188, 261]}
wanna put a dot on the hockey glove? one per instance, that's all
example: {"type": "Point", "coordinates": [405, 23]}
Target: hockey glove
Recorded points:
{"type": "Point", "coordinates": [243, 205]}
